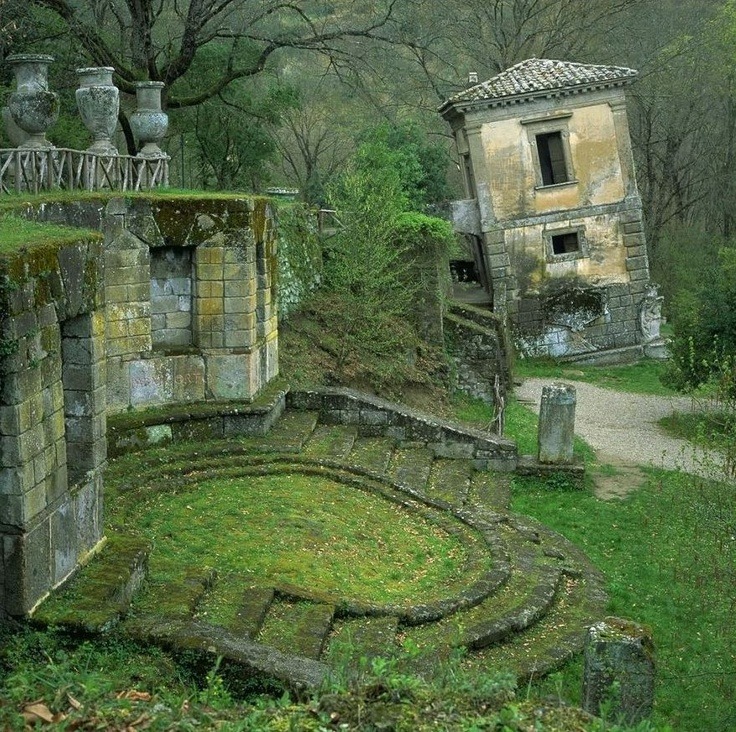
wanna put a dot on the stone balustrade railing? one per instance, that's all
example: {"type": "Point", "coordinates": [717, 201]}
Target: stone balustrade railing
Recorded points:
{"type": "Point", "coordinates": [35, 165]}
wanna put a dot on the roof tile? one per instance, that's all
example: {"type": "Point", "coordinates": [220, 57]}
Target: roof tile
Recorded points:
{"type": "Point", "coordinates": [536, 75]}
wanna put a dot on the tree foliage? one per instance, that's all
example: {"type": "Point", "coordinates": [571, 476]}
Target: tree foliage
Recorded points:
{"type": "Point", "coordinates": [167, 40]}
{"type": "Point", "coordinates": [366, 269]}
{"type": "Point", "coordinates": [371, 283]}
{"type": "Point", "coordinates": [704, 346]}
{"type": "Point", "coordinates": [230, 136]}
{"type": "Point", "coordinates": [313, 137]}
{"type": "Point", "coordinates": [419, 163]}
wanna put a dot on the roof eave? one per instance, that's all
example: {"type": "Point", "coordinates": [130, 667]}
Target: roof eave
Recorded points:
{"type": "Point", "coordinates": [470, 104]}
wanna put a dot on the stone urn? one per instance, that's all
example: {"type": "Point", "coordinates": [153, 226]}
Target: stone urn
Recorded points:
{"type": "Point", "coordinates": [149, 123]}
{"type": "Point", "coordinates": [32, 106]}
{"type": "Point", "coordinates": [14, 133]}
{"type": "Point", "coordinates": [98, 100]}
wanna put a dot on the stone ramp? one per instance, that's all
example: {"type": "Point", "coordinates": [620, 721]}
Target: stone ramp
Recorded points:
{"type": "Point", "coordinates": [355, 641]}
{"type": "Point", "coordinates": [330, 441]}
{"type": "Point", "coordinates": [253, 609]}
{"type": "Point", "coordinates": [411, 466]}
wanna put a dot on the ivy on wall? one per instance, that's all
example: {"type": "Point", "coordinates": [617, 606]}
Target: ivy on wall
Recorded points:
{"type": "Point", "coordinates": [299, 256]}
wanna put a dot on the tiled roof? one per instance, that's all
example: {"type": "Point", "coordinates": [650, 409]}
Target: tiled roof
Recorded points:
{"type": "Point", "coordinates": [536, 75]}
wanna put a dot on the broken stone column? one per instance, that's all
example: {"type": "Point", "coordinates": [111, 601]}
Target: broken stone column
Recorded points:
{"type": "Point", "coordinates": [556, 424]}
{"type": "Point", "coordinates": [618, 675]}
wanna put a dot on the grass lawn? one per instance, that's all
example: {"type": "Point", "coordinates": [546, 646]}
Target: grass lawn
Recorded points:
{"type": "Point", "coordinates": [642, 377]}
{"type": "Point", "coordinates": [669, 566]}
{"type": "Point", "coordinates": [667, 552]}
{"type": "Point", "coordinates": [304, 531]}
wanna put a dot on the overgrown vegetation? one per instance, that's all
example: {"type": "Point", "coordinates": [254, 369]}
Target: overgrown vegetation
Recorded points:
{"type": "Point", "coordinates": [365, 316]}
{"type": "Point", "coordinates": [53, 680]}
{"type": "Point", "coordinates": [704, 345]}
{"type": "Point", "coordinates": [667, 554]}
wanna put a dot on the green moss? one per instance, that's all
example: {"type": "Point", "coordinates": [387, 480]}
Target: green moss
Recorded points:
{"type": "Point", "coordinates": [18, 236]}
{"type": "Point", "coordinates": [258, 220]}
{"type": "Point", "coordinates": [133, 421]}
{"type": "Point", "coordinates": [570, 295]}
{"type": "Point", "coordinates": [347, 543]}
{"type": "Point", "coordinates": [94, 598]}
{"type": "Point", "coordinates": [177, 216]}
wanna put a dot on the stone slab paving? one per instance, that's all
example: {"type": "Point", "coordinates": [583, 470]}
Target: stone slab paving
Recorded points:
{"type": "Point", "coordinates": [623, 428]}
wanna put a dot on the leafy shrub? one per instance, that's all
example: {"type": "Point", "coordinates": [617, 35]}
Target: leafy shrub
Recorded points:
{"type": "Point", "coordinates": [420, 163]}
{"type": "Point", "coordinates": [366, 269]}
{"type": "Point", "coordinates": [704, 345]}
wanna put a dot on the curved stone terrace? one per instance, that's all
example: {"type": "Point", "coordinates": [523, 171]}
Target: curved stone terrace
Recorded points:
{"type": "Point", "coordinates": [515, 594]}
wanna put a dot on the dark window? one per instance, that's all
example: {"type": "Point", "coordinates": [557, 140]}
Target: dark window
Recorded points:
{"type": "Point", "coordinates": [552, 158]}
{"type": "Point", "coordinates": [566, 243]}
{"type": "Point", "coordinates": [469, 175]}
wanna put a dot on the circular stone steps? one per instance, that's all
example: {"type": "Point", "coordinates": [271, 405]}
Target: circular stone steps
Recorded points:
{"type": "Point", "coordinates": [522, 596]}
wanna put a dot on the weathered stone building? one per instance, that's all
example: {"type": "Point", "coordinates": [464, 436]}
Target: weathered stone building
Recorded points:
{"type": "Point", "coordinates": [172, 302]}
{"type": "Point", "coordinates": [553, 214]}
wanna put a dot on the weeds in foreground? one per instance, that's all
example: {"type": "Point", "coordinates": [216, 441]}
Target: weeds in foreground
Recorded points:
{"type": "Point", "coordinates": [52, 680]}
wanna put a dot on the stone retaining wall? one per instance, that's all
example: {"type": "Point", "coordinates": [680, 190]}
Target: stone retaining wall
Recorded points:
{"type": "Point", "coordinates": [378, 417]}
{"type": "Point", "coordinates": [52, 415]}
{"type": "Point", "coordinates": [476, 343]}
{"type": "Point", "coordinates": [174, 301]}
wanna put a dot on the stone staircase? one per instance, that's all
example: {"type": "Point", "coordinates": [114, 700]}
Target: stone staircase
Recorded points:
{"type": "Point", "coordinates": [527, 613]}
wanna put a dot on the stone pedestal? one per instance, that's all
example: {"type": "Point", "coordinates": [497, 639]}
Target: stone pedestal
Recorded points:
{"type": "Point", "coordinates": [618, 675]}
{"type": "Point", "coordinates": [556, 424]}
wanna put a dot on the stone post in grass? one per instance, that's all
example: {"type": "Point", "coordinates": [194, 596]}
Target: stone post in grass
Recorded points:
{"type": "Point", "coordinates": [556, 424]}
{"type": "Point", "coordinates": [618, 673]}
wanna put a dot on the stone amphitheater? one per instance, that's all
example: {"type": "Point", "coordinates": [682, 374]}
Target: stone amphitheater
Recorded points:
{"type": "Point", "coordinates": [528, 595]}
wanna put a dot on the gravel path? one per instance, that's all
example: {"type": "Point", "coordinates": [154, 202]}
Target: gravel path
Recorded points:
{"type": "Point", "coordinates": [622, 428]}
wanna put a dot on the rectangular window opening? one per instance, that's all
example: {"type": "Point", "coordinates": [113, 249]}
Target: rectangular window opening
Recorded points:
{"type": "Point", "coordinates": [469, 176]}
{"type": "Point", "coordinates": [566, 243]}
{"type": "Point", "coordinates": [551, 151]}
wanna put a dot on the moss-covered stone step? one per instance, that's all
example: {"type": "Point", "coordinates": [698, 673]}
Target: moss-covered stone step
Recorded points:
{"type": "Point", "coordinates": [196, 421]}
{"type": "Point", "coordinates": [329, 441]}
{"type": "Point", "coordinates": [372, 453]}
{"type": "Point", "coordinates": [354, 640]}
{"type": "Point", "coordinates": [298, 627]}
{"type": "Point", "coordinates": [411, 466]}
{"type": "Point", "coordinates": [449, 480]}
{"type": "Point", "coordinates": [573, 560]}
{"type": "Point", "coordinates": [252, 611]}
{"type": "Point", "coordinates": [101, 592]}
{"type": "Point", "coordinates": [490, 490]}
{"type": "Point", "coordinates": [175, 599]}
{"type": "Point", "coordinates": [288, 434]}
{"type": "Point", "coordinates": [553, 640]}
{"type": "Point", "coordinates": [527, 610]}
{"type": "Point", "coordinates": [525, 597]}
{"type": "Point", "coordinates": [296, 672]}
